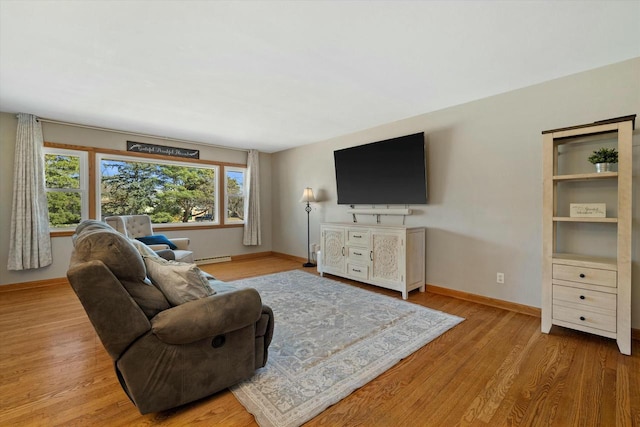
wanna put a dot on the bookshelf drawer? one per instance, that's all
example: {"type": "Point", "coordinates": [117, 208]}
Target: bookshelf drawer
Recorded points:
{"type": "Point", "coordinates": [592, 276]}
{"type": "Point", "coordinates": [566, 295]}
{"type": "Point", "coordinates": [583, 317]}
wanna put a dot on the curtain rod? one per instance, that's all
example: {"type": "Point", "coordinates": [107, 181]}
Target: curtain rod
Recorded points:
{"type": "Point", "coordinates": [164, 138]}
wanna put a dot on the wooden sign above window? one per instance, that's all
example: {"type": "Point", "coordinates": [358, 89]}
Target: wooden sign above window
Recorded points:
{"type": "Point", "coordinates": [140, 147]}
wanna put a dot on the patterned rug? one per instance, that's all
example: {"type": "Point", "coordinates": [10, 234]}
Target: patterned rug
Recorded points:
{"type": "Point", "coordinates": [329, 339]}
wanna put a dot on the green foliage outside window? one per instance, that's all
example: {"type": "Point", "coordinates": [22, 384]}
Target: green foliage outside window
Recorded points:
{"type": "Point", "coordinates": [64, 209]}
{"type": "Point", "coordinates": [62, 177]}
{"type": "Point", "coordinates": [235, 196]}
{"type": "Point", "coordinates": [167, 193]}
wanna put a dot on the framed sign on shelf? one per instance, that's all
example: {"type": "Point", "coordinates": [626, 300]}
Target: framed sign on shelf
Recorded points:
{"type": "Point", "coordinates": [588, 210]}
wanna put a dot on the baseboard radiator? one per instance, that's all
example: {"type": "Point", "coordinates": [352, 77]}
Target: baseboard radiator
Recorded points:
{"type": "Point", "coordinates": [213, 259]}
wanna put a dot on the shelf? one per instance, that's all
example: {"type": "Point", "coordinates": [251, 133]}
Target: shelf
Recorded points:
{"type": "Point", "coordinates": [379, 211]}
{"type": "Point", "coordinates": [585, 176]}
{"type": "Point", "coordinates": [585, 261]}
{"type": "Point", "coordinates": [611, 275]}
{"type": "Point", "coordinates": [572, 219]}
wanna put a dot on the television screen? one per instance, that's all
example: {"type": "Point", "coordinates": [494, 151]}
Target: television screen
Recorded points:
{"type": "Point", "coordinates": [389, 172]}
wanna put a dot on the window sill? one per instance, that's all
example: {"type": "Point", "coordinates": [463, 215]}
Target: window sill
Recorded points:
{"type": "Point", "coordinates": [158, 227]}
{"type": "Point", "coordinates": [62, 233]}
{"type": "Point", "coordinates": [192, 226]}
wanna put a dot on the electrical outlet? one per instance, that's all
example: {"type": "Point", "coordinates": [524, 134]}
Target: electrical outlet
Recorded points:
{"type": "Point", "coordinates": [500, 278]}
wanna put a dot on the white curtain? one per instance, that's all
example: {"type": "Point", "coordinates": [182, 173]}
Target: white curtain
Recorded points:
{"type": "Point", "coordinates": [30, 244]}
{"type": "Point", "coordinates": [252, 203]}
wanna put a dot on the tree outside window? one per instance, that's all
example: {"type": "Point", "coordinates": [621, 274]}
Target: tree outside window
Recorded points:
{"type": "Point", "coordinates": [169, 192]}
{"type": "Point", "coordinates": [66, 186]}
{"type": "Point", "coordinates": [235, 194]}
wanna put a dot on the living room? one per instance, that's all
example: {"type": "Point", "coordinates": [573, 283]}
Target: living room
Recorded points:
{"type": "Point", "coordinates": [484, 159]}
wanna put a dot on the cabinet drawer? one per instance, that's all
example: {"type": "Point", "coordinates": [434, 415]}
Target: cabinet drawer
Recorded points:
{"type": "Point", "coordinates": [584, 317]}
{"type": "Point", "coordinates": [359, 254]}
{"type": "Point", "coordinates": [591, 276]}
{"type": "Point", "coordinates": [359, 271]}
{"type": "Point", "coordinates": [358, 237]}
{"type": "Point", "coordinates": [600, 300]}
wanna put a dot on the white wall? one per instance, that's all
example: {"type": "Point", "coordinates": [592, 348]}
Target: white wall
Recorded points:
{"type": "Point", "coordinates": [205, 243]}
{"type": "Point", "coordinates": [485, 181]}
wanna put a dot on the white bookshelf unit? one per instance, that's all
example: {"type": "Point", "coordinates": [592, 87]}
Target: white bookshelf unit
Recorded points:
{"type": "Point", "coordinates": [391, 257]}
{"type": "Point", "coordinates": [579, 290]}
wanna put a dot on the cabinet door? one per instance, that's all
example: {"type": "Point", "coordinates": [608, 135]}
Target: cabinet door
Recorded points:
{"type": "Point", "coordinates": [333, 250]}
{"type": "Point", "coordinates": [387, 257]}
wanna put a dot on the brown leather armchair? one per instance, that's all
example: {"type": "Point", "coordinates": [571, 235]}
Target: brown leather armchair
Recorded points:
{"type": "Point", "coordinates": [165, 356]}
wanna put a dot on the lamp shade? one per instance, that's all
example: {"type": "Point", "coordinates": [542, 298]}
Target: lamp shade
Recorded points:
{"type": "Point", "coordinates": [307, 196]}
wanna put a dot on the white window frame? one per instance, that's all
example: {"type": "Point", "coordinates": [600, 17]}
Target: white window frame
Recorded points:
{"type": "Point", "coordinates": [216, 168]}
{"type": "Point", "coordinates": [226, 196]}
{"type": "Point", "coordinates": [84, 181]}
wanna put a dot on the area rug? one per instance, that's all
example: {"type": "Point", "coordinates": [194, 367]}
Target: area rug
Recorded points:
{"type": "Point", "coordinates": [329, 339]}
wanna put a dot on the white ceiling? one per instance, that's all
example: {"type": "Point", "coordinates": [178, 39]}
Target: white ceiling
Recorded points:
{"type": "Point", "coordinates": [277, 74]}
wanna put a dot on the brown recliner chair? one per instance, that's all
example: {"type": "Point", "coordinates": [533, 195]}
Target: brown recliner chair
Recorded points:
{"type": "Point", "coordinates": [165, 356]}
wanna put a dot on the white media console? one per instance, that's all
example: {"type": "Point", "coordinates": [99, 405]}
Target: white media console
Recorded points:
{"type": "Point", "coordinates": [391, 257]}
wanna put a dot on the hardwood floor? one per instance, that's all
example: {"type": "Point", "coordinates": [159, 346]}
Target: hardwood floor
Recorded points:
{"type": "Point", "coordinates": [496, 368]}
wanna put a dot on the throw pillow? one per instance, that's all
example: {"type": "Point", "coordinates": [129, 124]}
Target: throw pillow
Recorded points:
{"type": "Point", "coordinates": [147, 251]}
{"type": "Point", "coordinates": [143, 249]}
{"type": "Point", "coordinates": [157, 239]}
{"type": "Point", "coordinates": [178, 281]}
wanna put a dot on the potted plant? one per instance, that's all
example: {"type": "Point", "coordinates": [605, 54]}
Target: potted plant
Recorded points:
{"type": "Point", "coordinates": [604, 159]}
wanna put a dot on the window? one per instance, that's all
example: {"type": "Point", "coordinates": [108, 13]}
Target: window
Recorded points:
{"type": "Point", "coordinates": [174, 193]}
{"type": "Point", "coordinates": [169, 192]}
{"type": "Point", "coordinates": [66, 184]}
{"type": "Point", "coordinates": [235, 194]}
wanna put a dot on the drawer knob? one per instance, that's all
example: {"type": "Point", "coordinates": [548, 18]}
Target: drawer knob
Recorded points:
{"type": "Point", "coordinates": [581, 296]}
{"type": "Point", "coordinates": [582, 275]}
{"type": "Point", "coordinates": [582, 318]}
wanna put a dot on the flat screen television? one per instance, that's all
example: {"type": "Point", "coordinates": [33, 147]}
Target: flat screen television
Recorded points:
{"type": "Point", "coordinates": [389, 172]}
